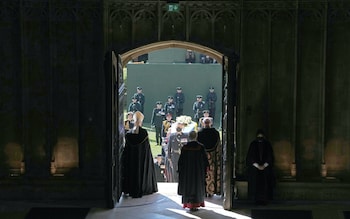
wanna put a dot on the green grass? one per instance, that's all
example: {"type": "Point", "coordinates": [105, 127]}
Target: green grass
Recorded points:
{"type": "Point", "coordinates": [156, 149]}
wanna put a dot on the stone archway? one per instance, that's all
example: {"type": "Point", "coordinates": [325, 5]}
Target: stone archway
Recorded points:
{"type": "Point", "coordinates": [127, 56]}
{"type": "Point", "coordinates": [134, 53]}
{"type": "Point", "coordinates": [227, 87]}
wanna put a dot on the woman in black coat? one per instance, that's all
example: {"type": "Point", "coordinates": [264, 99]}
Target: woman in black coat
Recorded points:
{"type": "Point", "coordinates": [139, 176]}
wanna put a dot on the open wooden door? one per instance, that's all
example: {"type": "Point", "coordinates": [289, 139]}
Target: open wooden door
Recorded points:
{"type": "Point", "coordinates": [228, 130]}
{"type": "Point", "coordinates": [116, 103]}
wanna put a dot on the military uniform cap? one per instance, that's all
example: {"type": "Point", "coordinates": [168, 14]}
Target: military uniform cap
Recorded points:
{"type": "Point", "coordinates": [199, 96]}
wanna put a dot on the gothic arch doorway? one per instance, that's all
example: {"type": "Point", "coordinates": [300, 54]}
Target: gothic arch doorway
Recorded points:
{"type": "Point", "coordinates": [127, 56]}
{"type": "Point", "coordinates": [116, 103]}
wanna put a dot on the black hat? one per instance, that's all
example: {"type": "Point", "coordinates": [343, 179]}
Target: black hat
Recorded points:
{"type": "Point", "coordinates": [205, 111]}
{"type": "Point", "coordinates": [159, 102]}
{"type": "Point", "coordinates": [211, 88]}
{"type": "Point", "coordinates": [170, 97]}
{"type": "Point", "coordinates": [139, 88]}
{"type": "Point", "coordinates": [179, 88]}
{"type": "Point", "coordinates": [199, 96]}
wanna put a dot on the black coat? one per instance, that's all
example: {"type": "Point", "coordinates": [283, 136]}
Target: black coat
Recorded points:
{"type": "Point", "coordinates": [138, 174]}
{"type": "Point", "coordinates": [209, 137]}
{"type": "Point", "coordinates": [192, 167]}
{"type": "Point", "coordinates": [260, 182]}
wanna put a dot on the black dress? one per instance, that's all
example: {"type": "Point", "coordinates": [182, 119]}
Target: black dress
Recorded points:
{"type": "Point", "coordinates": [260, 182]}
{"type": "Point", "coordinates": [192, 165]}
{"type": "Point", "coordinates": [139, 176]}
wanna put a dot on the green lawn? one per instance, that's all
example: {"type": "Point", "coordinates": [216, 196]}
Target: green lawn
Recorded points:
{"type": "Point", "coordinates": [156, 149]}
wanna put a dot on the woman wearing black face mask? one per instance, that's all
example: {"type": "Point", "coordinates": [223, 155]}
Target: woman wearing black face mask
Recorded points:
{"type": "Point", "coordinates": [260, 174]}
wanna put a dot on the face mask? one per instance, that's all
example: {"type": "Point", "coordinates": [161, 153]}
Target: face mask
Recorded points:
{"type": "Point", "coordinates": [260, 138]}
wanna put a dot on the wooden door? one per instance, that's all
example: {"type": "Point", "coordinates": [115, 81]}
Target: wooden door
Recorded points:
{"type": "Point", "coordinates": [116, 102]}
{"type": "Point", "coordinates": [228, 130]}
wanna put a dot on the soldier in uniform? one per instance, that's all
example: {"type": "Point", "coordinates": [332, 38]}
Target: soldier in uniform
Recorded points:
{"type": "Point", "coordinates": [211, 101]}
{"type": "Point", "coordinates": [158, 115]}
{"type": "Point", "coordinates": [140, 97]}
{"type": "Point", "coordinates": [175, 143]}
{"type": "Point", "coordinates": [134, 105]}
{"type": "Point", "coordinates": [198, 107]}
{"type": "Point", "coordinates": [190, 56]}
{"type": "Point", "coordinates": [169, 107]}
{"type": "Point", "coordinates": [205, 115]}
{"type": "Point", "coordinates": [179, 101]}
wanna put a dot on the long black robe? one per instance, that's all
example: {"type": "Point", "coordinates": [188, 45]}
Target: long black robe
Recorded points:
{"type": "Point", "coordinates": [210, 138]}
{"type": "Point", "coordinates": [260, 182]}
{"type": "Point", "coordinates": [192, 166]}
{"type": "Point", "coordinates": [139, 176]}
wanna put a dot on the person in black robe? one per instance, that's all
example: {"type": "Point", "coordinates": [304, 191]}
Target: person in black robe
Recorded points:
{"type": "Point", "coordinates": [210, 138]}
{"type": "Point", "coordinates": [138, 174]}
{"type": "Point", "coordinates": [259, 161]}
{"type": "Point", "coordinates": [192, 168]}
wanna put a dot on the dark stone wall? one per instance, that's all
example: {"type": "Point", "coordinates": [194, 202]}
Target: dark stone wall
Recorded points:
{"type": "Point", "coordinates": [287, 79]}
{"type": "Point", "coordinates": [292, 79]}
{"type": "Point", "coordinates": [52, 105]}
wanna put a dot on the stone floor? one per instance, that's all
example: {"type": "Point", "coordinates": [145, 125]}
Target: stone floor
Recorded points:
{"type": "Point", "coordinates": [166, 204]}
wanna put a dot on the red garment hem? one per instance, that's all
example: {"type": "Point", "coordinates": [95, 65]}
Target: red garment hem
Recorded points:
{"type": "Point", "coordinates": [193, 205]}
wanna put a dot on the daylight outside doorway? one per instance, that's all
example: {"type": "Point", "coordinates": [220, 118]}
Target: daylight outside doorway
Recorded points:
{"type": "Point", "coordinates": [160, 79]}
